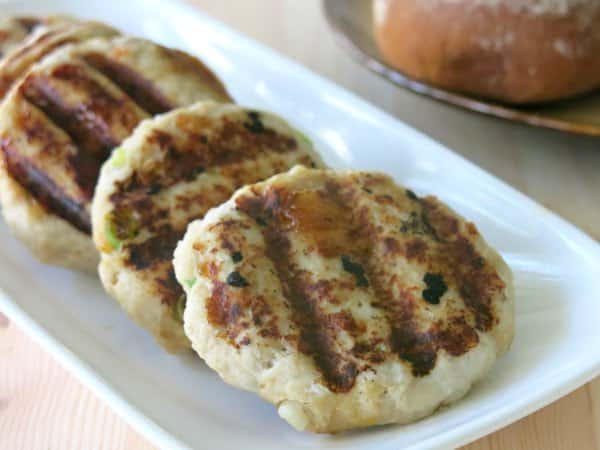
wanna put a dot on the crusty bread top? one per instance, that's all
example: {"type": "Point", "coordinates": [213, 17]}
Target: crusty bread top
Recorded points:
{"type": "Point", "coordinates": [501, 50]}
{"type": "Point", "coordinates": [536, 7]}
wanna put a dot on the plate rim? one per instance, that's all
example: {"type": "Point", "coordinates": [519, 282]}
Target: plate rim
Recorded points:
{"type": "Point", "coordinates": [460, 435]}
{"type": "Point", "coordinates": [456, 99]}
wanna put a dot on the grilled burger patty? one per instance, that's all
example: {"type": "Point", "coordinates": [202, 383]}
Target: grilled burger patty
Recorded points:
{"type": "Point", "coordinates": [54, 33]}
{"type": "Point", "coordinates": [172, 170]}
{"type": "Point", "coordinates": [343, 298]}
{"type": "Point", "coordinates": [61, 121]}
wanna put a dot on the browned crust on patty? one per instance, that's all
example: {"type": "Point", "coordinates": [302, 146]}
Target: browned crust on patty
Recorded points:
{"type": "Point", "coordinates": [70, 112]}
{"type": "Point", "coordinates": [229, 145]}
{"type": "Point", "coordinates": [334, 220]}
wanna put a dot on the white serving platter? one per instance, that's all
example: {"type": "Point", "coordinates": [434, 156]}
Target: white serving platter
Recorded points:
{"type": "Point", "coordinates": [177, 402]}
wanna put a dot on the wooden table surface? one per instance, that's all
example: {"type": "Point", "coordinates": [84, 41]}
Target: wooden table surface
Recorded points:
{"type": "Point", "coordinates": [44, 407]}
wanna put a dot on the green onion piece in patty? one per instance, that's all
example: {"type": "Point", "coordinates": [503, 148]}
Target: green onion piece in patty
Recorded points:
{"type": "Point", "coordinates": [118, 157]}
{"type": "Point", "coordinates": [110, 235]}
{"type": "Point", "coordinates": [179, 308]}
{"type": "Point", "coordinates": [302, 138]}
{"type": "Point", "coordinates": [123, 223]}
{"type": "Point", "coordinates": [190, 283]}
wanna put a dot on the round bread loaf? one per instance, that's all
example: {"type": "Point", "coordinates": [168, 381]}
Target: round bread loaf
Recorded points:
{"type": "Point", "coordinates": [514, 51]}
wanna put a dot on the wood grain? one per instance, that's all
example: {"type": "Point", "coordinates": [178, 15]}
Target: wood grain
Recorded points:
{"type": "Point", "coordinates": [44, 407]}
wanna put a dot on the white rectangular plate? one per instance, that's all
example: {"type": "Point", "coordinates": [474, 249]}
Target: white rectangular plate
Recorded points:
{"type": "Point", "coordinates": [177, 402]}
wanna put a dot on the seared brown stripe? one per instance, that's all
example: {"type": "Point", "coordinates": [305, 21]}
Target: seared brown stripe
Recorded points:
{"type": "Point", "coordinates": [83, 123]}
{"type": "Point", "coordinates": [415, 346]}
{"type": "Point", "coordinates": [142, 91]}
{"type": "Point", "coordinates": [185, 158]}
{"type": "Point", "coordinates": [316, 329]}
{"type": "Point", "coordinates": [43, 189]}
{"type": "Point", "coordinates": [330, 219]}
{"type": "Point", "coordinates": [409, 339]}
{"type": "Point", "coordinates": [168, 287]}
{"type": "Point", "coordinates": [316, 339]}
{"type": "Point", "coordinates": [157, 248]}
{"type": "Point", "coordinates": [18, 62]}
{"type": "Point", "coordinates": [453, 254]}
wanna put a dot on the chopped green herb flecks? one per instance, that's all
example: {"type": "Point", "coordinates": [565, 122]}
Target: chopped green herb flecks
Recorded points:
{"type": "Point", "coordinates": [416, 224]}
{"type": "Point", "coordinates": [235, 279]}
{"type": "Point", "coordinates": [179, 308]}
{"type": "Point", "coordinates": [118, 157]}
{"type": "Point", "coordinates": [355, 269]}
{"type": "Point", "coordinates": [111, 236]}
{"type": "Point", "coordinates": [410, 194]}
{"type": "Point", "coordinates": [436, 288]}
{"type": "Point", "coordinates": [124, 223]}
{"type": "Point", "coordinates": [254, 125]}
{"type": "Point", "coordinates": [190, 283]}
{"type": "Point", "coordinates": [236, 257]}
{"type": "Point", "coordinates": [154, 188]}
{"type": "Point", "coordinates": [302, 138]}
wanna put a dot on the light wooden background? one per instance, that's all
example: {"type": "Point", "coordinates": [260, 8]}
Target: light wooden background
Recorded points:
{"type": "Point", "coordinates": [44, 407]}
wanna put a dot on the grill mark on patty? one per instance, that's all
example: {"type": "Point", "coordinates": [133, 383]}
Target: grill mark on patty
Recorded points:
{"type": "Point", "coordinates": [169, 289]}
{"type": "Point", "coordinates": [316, 338]}
{"type": "Point", "coordinates": [88, 133]}
{"type": "Point", "coordinates": [44, 189]}
{"type": "Point", "coordinates": [316, 330]}
{"type": "Point", "coordinates": [231, 144]}
{"type": "Point", "coordinates": [234, 313]}
{"type": "Point", "coordinates": [472, 279]}
{"type": "Point", "coordinates": [184, 159]}
{"type": "Point", "coordinates": [139, 89]}
{"type": "Point", "coordinates": [88, 126]}
{"type": "Point", "coordinates": [419, 347]}
{"type": "Point", "coordinates": [155, 254]}
{"type": "Point", "coordinates": [155, 249]}
{"type": "Point", "coordinates": [228, 307]}
{"type": "Point", "coordinates": [88, 123]}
